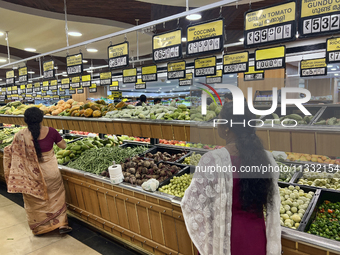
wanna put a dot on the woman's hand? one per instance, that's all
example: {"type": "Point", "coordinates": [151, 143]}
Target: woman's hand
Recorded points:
{"type": "Point", "coordinates": [62, 144]}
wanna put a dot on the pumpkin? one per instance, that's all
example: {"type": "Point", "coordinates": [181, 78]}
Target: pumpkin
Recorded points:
{"type": "Point", "coordinates": [97, 113]}
{"type": "Point", "coordinates": [81, 111]}
{"type": "Point", "coordinates": [120, 105]}
{"type": "Point", "coordinates": [74, 112]}
{"type": "Point", "coordinates": [88, 112]}
{"type": "Point", "coordinates": [95, 107]}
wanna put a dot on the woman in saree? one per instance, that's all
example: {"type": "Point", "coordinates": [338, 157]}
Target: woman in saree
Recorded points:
{"type": "Point", "coordinates": [223, 210]}
{"type": "Point", "coordinates": [31, 168]}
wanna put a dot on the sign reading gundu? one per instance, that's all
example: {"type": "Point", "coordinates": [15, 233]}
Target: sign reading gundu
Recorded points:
{"type": "Point", "coordinates": [75, 82]}
{"type": "Point", "coordinates": [167, 45]}
{"type": "Point", "coordinates": [270, 58]}
{"type": "Point", "coordinates": [54, 85]}
{"type": "Point", "coordinates": [235, 62]}
{"type": "Point", "coordinates": [118, 55]}
{"type": "Point", "coordinates": [270, 25]}
{"type": "Point", "coordinates": [215, 78]}
{"type": "Point", "coordinates": [130, 75]}
{"type": "Point", "coordinates": [187, 81]}
{"type": "Point", "coordinates": [48, 68]}
{"type": "Point", "coordinates": [74, 64]}
{"type": "Point", "coordinates": [10, 77]}
{"type": "Point", "coordinates": [114, 86]}
{"type": "Point", "coordinates": [176, 70]}
{"type": "Point", "coordinates": [93, 88]}
{"type": "Point", "coordinates": [37, 87]}
{"type": "Point", "coordinates": [23, 74]}
{"type": "Point", "coordinates": [105, 78]}
{"type": "Point", "coordinates": [86, 81]}
{"type": "Point", "coordinates": [253, 75]}
{"type": "Point", "coordinates": [29, 88]}
{"type": "Point", "coordinates": [140, 84]}
{"type": "Point", "coordinates": [205, 66]}
{"type": "Point", "coordinates": [205, 37]}
{"type": "Point", "coordinates": [65, 83]}
{"type": "Point", "coordinates": [333, 50]}
{"type": "Point", "coordinates": [313, 67]}
{"type": "Point", "coordinates": [319, 17]}
{"type": "Point", "coordinates": [149, 73]}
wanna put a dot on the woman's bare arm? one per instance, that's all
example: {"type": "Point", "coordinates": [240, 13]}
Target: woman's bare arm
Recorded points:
{"type": "Point", "coordinates": [62, 144]}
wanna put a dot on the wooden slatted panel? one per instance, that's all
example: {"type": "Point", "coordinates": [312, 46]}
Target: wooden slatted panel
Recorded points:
{"type": "Point", "coordinates": [143, 221]}
{"type": "Point", "coordinates": [122, 215]}
{"type": "Point", "coordinates": [136, 130]}
{"type": "Point", "coordinates": [94, 202]}
{"type": "Point", "coordinates": [194, 136]}
{"type": "Point", "coordinates": [156, 131]}
{"type": "Point", "coordinates": [206, 135]}
{"type": "Point", "coordinates": [110, 128]}
{"type": "Point", "coordinates": [184, 240]}
{"type": "Point", "coordinates": [81, 125]}
{"type": "Point", "coordinates": [167, 132]}
{"type": "Point", "coordinates": [156, 226]}
{"type": "Point", "coordinates": [118, 128]}
{"type": "Point", "coordinates": [264, 136]}
{"type": "Point", "coordinates": [70, 125]}
{"type": "Point", "coordinates": [73, 195]}
{"type": "Point", "coordinates": [132, 217]}
{"type": "Point", "coordinates": [80, 199]}
{"type": "Point", "coordinates": [280, 141]}
{"type": "Point", "coordinates": [169, 228]}
{"type": "Point", "coordinates": [112, 207]}
{"type": "Point", "coordinates": [102, 127]}
{"type": "Point", "coordinates": [311, 250]}
{"type": "Point", "coordinates": [179, 133]}
{"type": "Point", "coordinates": [328, 144]}
{"type": "Point", "coordinates": [87, 199]}
{"type": "Point", "coordinates": [288, 251]}
{"type": "Point", "coordinates": [64, 124]}
{"type": "Point", "coordinates": [127, 129]}
{"type": "Point", "coordinates": [303, 142]}
{"type": "Point", "coordinates": [145, 130]}
{"type": "Point", "coordinates": [75, 125]}
{"type": "Point", "coordinates": [218, 139]}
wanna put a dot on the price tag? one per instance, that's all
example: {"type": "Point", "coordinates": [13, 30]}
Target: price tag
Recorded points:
{"type": "Point", "coordinates": [65, 83]}
{"type": "Point", "coordinates": [176, 70]}
{"type": "Point", "coordinates": [14, 89]}
{"type": "Point", "coordinates": [45, 86]}
{"type": "Point", "coordinates": [80, 90]}
{"type": "Point", "coordinates": [215, 78]}
{"type": "Point", "coordinates": [15, 97]}
{"type": "Point", "coordinates": [43, 93]}
{"type": "Point", "coordinates": [93, 88]}
{"type": "Point", "coordinates": [86, 81]}
{"type": "Point", "coordinates": [253, 75]}
{"type": "Point", "coordinates": [72, 91]}
{"type": "Point", "coordinates": [62, 91]}
{"type": "Point", "coordinates": [140, 84]}
{"type": "Point", "coordinates": [149, 73]}
{"type": "Point", "coordinates": [187, 81]}
{"type": "Point", "coordinates": [37, 87]}
{"type": "Point", "coordinates": [313, 67]}
{"type": "Point", "coordinates": [333, 50]}
{"type": "Point", "coordinates": [55, 97]}
{"type": "Point", "coordinates": [29, 88]}
{"type": "Point", "coordinates": [3, 91]}
{"type": "Point", "coordinates": [74, 64]}
{"type": "Point", "coordinates": [54, 92]}
{"type": "Point", "coordinates": [23, 74]}
{"type": "Point", "coordinates": [48, 68]}
{"type": "Point", "coordinates": [167, 46]}
{"type": "Point", "coordinates": [75, 82]}
{"type": "Point", "coordinates": [118, 55]}
{"type": "Point", "coordinates": [105, 78]}
{"type": "Point", "coordinates": [130, 75]}
{"type": "Point", "coordinates": [10, 79]}
{"type": "Point", "coordinates": [114, 86]}
{"type": "Point", "coordinates": [54, 85]}
{"type": "Point", "coordinates": [38, 97]}
{"type": "Point", "coordinates": [270, 58]}
{"type": "Point", "coordinates": [23, 88]}
{"type": "Point", "coordinates": [205, 66]}
{"type": "Point", "coordinates": [236, 62]}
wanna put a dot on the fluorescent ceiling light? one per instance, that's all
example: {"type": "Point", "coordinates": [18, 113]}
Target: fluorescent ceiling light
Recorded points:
{"type": "Point", "coordinates": [329, 65]}
{"type": "Point", "coordinates": [0, 79]}
{"type": "Point", "coordinates": [3, 60]}
{"type": "Point", "coordinates": [336, 74]}
{"type": "Point", "coordinates": [31, 72]}
{"type": "Point", "coordinates": [241, 39]}
{"type": "Point", "coordinates": [333, 69]}
{"type": "Point", "coordinates": [1, 33]}
{"type": "Point", "coordinates": [184, 39]}
{"type": "Point", "coordinates": [194, 16]}
{"type": "Point", "coordinates": [89, 71]}
{"type": "Point", "coordinates": [30, 49]}
{"type": "Point", "coordinates": [168, 81]}
{"type": "Point", "coordinates": [74, 34]}
{"type": "Point", "coordinates": [65, 75]}
{"type": "Point", "coordinates": [92, 50]}
{"type": "Point", "coordinates": [85, 61]}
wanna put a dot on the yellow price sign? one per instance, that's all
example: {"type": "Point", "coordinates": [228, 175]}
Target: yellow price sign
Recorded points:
{"type": "Point", "coordinates": [48, 66]}
{"type": "Point", "coordinates": [270, 58]}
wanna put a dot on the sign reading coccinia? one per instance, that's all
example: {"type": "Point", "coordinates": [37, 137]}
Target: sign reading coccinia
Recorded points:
{"type": "Point", "coordinates": [48, 68]}
{"type": "Point", "coordinates": [118, 55]}
{"type": "Point", "coordinates": [167, 46]}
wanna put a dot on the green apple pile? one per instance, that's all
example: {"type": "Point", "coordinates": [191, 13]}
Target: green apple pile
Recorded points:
{"type": "Point", "coordinates": [177, 185]}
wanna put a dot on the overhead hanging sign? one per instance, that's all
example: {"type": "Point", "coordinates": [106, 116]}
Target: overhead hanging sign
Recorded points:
{"type": "Point", "coordinates": [54, 85]}
{"type": "Point", "coordinates": [270, 25]}
{"type": "Point", "coordinates": [72, 90]}
{"type": "Point", "coordinates": [62, 91]}
{"type": "Point", "coordinates": [130, 75]}
{"type": "Point", "coordinates": [176, 70]}
{"type": "Point", "coordinates": [10, 79]}
{"type": "Point", "coordinates": [313, 67]}
{"type": "Point", "coordinates": [118, 55]}
{"type": "Point", "coordinates": [93, 88]}
{"type": "Point", "coordinates": [23, 88]}
{"type": "Point", "coordinates": [149, 73]}
{"type": "Point", "coordinates": [167, 45]}
{"type": "Point", "coordinates": [43, 93]}
{"type": "Point", "coordinates": [270, 58]}
{"type": "Point", "coordinates": [215, 78]}
{"type": "Point", "coordinates": [80, 90]}
{"type": "Point", "coordinates": [236, 62]}
{"type": "Point", "coordinates": [333, 50]}
{"type": "Point", "coordinates": [105, 78]}
{"type": "Point", "coordinates": [29, 88]}
{"type": "Point", "coordinates": [55, 97]}
{"type": "Point", "coordinates": [45, 86]}
{"type": "Point", "coordinates": [23, 74]}
{"type": "Point", "coordinates": [15, 97]}
{"type": "Point", "coordinates": [75, 82]}
{"type": "Point", "coordinates": [318, 17]}
{"type": "Point", "coordinates": [140, 84]}
{"type": "Point", "coordinates": [86, 80]}
{"type": "Point", "coordinates": [114, 86]}
{"type": "Point", "coordinates": [48, 69]}
{"type": "Point", "coordinates": [205, 66]}
{"type": "Point", "coordinates": [54, 92]}
{"type": "Point", "coordinates": [9, 90]}
{"type": "Point", "coordinates": [38, 97]}
{"type": "Point", "coordinates": [28, 97]}
{"type": "Point", "coordinates": [37, 87]}
{"type": "Point", "coordinates": [74, 64]}
{"type": "Point", "coordinates": [187, 81]}
{"type": "Point", "coordinates": [205, 37]}
{"type": "Point", "coordinates": [3, 91]}
{"type": "Point", "coordinates": [117, 94]}
{"type": "Point", "coordinates": [65, 83]}
{"type": "Point", "coordinates": [253, 75]}
{"type": "Point", "coordinates": [14, 89]}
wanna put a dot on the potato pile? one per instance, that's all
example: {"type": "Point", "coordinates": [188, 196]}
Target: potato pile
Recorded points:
{"type": "Point", "coordinates": [165, 156]}
{"type": "Point", "coordinates": [138, 170]}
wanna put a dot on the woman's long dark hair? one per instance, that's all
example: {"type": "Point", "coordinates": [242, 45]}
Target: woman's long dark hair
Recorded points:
{"type": "Point", "coordinates": [256, 189]}
{"type": "Point", "coordinates": [33, 117]}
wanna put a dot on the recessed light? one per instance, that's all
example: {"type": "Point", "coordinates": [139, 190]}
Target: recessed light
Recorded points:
{"type": "Point", "coordinates": [3, 60]}
{"type": "Point", "coordinates": [194, 16]}
{"type": "Point", "coordinates": [89, 71]}
{"type": "Point", "coordinates": [184, 39]}
{"type": "Point", "coordinates": [65, 75]}
{"type": "Point", "coordinates": [31, 72]}
{"type": "Point", "coordinates": [336, 74]}
{"type": "Point", "coordinates": [74, 34]}
{"type": "Point", "coordinates": [231, 76]}
{"type": "Point", "coordinates": [85, 61]}
{"type": "Point", "coordinates": [55, 67]}
{"type": "Point", "coordinates": [168, 81]}
{"type": "Point", "coordinates": [241, 39]}
{"type": "Point", "coordinates": [333, 69]}
{"type": "Point", "coordinates": [30, 49]}
{"type": "Point", "coordinates": [15, 67]}
{"type": "Point", "coordinates": [330, 66]}
{"type": "Point", "coordinates": [92, 50]}
{"type": "Point", "coordinates": [1, 33]}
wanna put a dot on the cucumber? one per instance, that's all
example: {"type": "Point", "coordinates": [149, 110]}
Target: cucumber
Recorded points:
{"type": "Point", "coordinates": [294, 117]}
{"type": "Point", "coordinates": [321, 122]}
{"type": "Point", "coordinates": [275, 116]}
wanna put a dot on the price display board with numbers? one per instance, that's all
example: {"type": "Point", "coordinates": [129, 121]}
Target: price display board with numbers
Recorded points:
{"type": "Point", "coordinates": [29, 88]}
{"type": "Point", "coordinates": [62, 91]}
{"type": "Point", "coordinates": [14, 90]}
{"type": "Point", "coordinates": [93, 88]}
{"type": "Point", "coordinates": [114, 86]}
{"type": "Point", "coordinates": [205, 37]}
{"type": "Point", "coordinates": [48, 69]}
{"type": "Point", "coordinates": [149, 73]}
{"type": "Point", "coordinates": [15, 97]}
{"type": "Point", "coordinates": [72, 91]}
{"type": "Point", "coordinates": [319, 18]}
{"type": "Point", "coordinates": [2, 97]}
{"type": "Point", "coordinates": [205, 66]}
{"type": "Point", "coordinates": [45, 85]}
{"type": "Point", "coordinates": [10, 79]}
{"type": "Point", "coordinates": [23, 74]}
{"type": "Point", "coordinates": [105, 78]}
{"type": "Point", "coordinates": [55, 97]}
{"type": "Point", "coordinates": [65, 83]}
{"type": "Point", "coordinates": [167, 46]}
{"type": "Point", "coordinates": [176, 70]}
{"type": "Point", "coordinates": [130, 75]}
{"type": "Point", "coordinates": [187, 81]}
{"type": "Point", "coordinates": [333, 50]}
{"type": "Point", "coordinates": [28, 97]}
{"type": "Point", "coordinates": [9, 91]}
{"type": "Point", "coordinates": [215, 78]}
{"type": "Point", "coordinates": [118, 55]}
{"type": "Point", "coordinates": [253, 75]}
{"type": "Point", "coordinates": [75, 82]}
{"type": "Point", "coordinates": [236, 62]}
{"type": "Point", "coordinates": [270, 58]}
{"type": "Point", "coordinates": [270, 25]}
{"type": "Point", "coordinates": [140, 84]}
{"type": "Point", "coordinates": [74, 64]}
{"type": "Point", "coordinates": [43, 93]}
{"type": "Point", "coordinates": [80, 90]}
{"type": "Point", "coordinates": [86, 81]}
{"type": "Point", "coordinates": [23, 88]}
{"type": "Point", "coordinates": [117, 94]}
{"type": "Point", "coordinates": [54, 85]}
{"type": "Point", "coordinates": [47, 97]}
{"type": "Point", "coordinates": [37, 87]}
{"type": "Point", "coordinates": [38, 97]}
{"type": "Point", "coordinates": [313, 67]}
{"type": "Point", "coordinates": [54, 92]}
{"type": "Point", "coordinates": [3, 91]}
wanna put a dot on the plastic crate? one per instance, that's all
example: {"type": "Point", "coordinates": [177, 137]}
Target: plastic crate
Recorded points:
{"type": "Point", "coordinates": [171, 151]}
{"type": "Point", "coordinates": [311, 205]}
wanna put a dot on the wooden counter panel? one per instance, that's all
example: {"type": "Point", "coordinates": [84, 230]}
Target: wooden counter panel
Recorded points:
{"type": "Point", "coordinates": [156, 226]}
{"type": "Point", "coordinates": [179, 133]}
{"type": "Point", "coordinates": [132, 217]}
{"type": "Point", "coordinates": [311, 250]}
{"type": "Point", "coordinates": [167, 132]}
{"type": "Point", "coordinates": [112, 207]}
{"type": "Point", "coordinates": [206, 135]}
{"type": "Point", "coordinates": [328, 144]}
{"type": "Point", "coordinates": [264, 136]}
{"type": "Point", "coordinates": [126, 129]}
{"type": "Point", "coordinates": [110, 128]}
{"type": "Point", "coordinates": [122, 215]}
{"type": "Point", "coordinates": [156, 131]}
{"type": "Point", "coordinates": [143, 221]}
{"type": "Point", "coordinates": [184, 241]}
{"type": "Point", "coordinates": [303, 142]}
{"type": "Point", "coordinates": [136, 130]}
{"type": "Point", "coordinates": [279, 141]}
{"type": "Point", "coordinates": [145, 130]}
{"type": "Point", "coordinates": [79, 194]}
{"type": "Point", "coordinates": [169, 229]}
{"type": "Point", "coordinates": [194, 136]}
{"type": "Point", "coordinates": [104, 211]}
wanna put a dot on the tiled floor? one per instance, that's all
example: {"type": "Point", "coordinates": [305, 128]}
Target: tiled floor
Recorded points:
{"type": "Point", "coordinates": [17, 239]}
